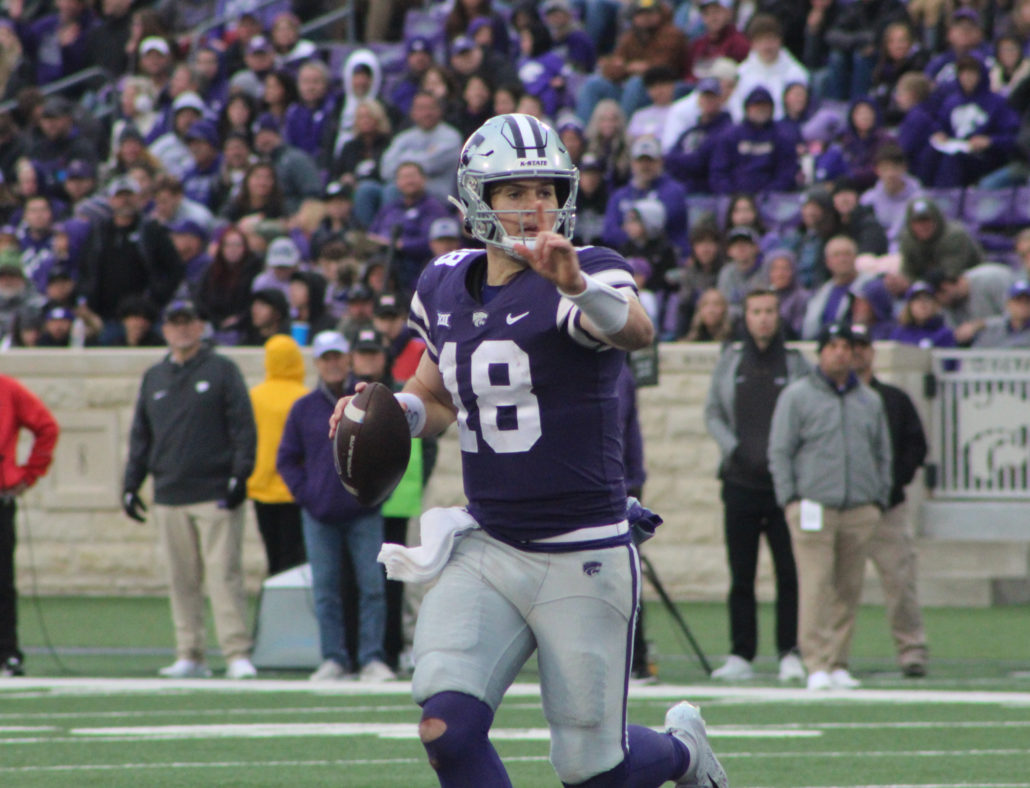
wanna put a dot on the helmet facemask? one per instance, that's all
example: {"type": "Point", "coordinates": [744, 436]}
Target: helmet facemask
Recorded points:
{"type": "Point", "coordinates": [497, 152]}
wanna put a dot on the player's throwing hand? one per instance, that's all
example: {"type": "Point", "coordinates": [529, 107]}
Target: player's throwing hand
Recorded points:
{"type": "Point", "coordinates": [553, 256]}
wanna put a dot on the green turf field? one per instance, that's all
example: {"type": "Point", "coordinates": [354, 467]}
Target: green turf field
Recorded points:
{"type": "Point", "coordinates": [100, 718]}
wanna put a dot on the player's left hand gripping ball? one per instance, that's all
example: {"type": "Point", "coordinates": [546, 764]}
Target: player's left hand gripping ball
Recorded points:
{"type": "Point", "coordinates": [372, 445]}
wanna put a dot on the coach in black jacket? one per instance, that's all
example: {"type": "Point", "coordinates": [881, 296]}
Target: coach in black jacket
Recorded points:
{"type": "Point", "coordinates": [193, 431]}
{"type": "Point", "coordinates": [892, 549]}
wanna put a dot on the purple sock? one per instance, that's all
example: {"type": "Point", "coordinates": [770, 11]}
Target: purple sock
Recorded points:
{"type": "Point", "coordinates": [654, 759]}
{"type": "Point", "coordinates": [463, 756]}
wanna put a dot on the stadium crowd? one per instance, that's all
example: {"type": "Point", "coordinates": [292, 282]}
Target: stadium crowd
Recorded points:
{"type": "Point", "coordinates": [865, 159]}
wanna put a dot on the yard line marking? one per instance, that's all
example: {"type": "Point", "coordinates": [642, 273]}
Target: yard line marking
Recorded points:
{"type": "Point", "coordinates": [403, 731]}
{"type": "Point", "coordinates": [521, 690]}
{"type": "Point", "coordinates": [26, 728]}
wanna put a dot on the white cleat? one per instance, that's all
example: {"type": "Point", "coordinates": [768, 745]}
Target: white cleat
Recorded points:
{"type": "Point", "coordinates": [186, 669]}
{"type": "Point", "coordinates": [685, 723]}
{"type": "Point", "coordinates": [375, 672]}
{"type": "Point", "coordinates": [330, 670]}
{"type": "Point", "coordinates": [735, 669]}
{"type": "Point", "coordinates": [819, 680]}
{"type": "Point", "coordinates": [842, 680]}
{"type": "Point", "coordinates": [791, 668]}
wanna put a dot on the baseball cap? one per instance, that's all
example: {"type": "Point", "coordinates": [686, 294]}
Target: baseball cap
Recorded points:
{"type": "Point", "coordinates": [917, 289]}
{"type": "Point", "coordinates": [79, 168]}
{"type": "Point", "coordinates": [154, 44]}
{"type": "Point", "coordinates": [59, 272]}
{"type": "Point", "coordinates": [388, 305]}
{"type": "Point", "coordinates": [419, 44]}
{"type": "Point", "coordinates": [590, 162]}
{"type": "Point", "coordinates": [125, 183]}
{"type": "Point", "coordinates": [188, 227]}
{"type": "Point", "coordinates": [462, 44]}
{"type": "Point", "coordinates": [130, 132]}
{"type": "Point", "coordinates": [57, 107]}
{"type": "Point", "coordinates": [921, 209]}
{"type": "Point", "coordinates": [723, 68]}
{"type": "Point", "coordinates": [723, 3]}
{"type": "Point", "coordinates": [181, 308]}
{"type": "Point", "coordinates": [282, 252]}
{"type": "Point", "coordinates": [58, 313]}
{"type": "Point", "coordinates": [188, 100]}
{"type": "Point", "coordinates": [710, 85]}
{"type": "Point", "coordinates": [758, 94]}
{"type": "Point", "coordinates": [327, 342]}
{"type": "Point", "coordinates": [741, 233]}
{"type": "Point", "coordinates": [1020, 289]}
{"type": "Point", "coordinates": [966, 14]}
{"type": "Point", "coordinates": [267, 122]}
{"type": "Point", "coordinates": [259, 44]}
{"type": "Point", "coordinates": [860, 334]}
{"type": "Point", "coordinates": [203, 130]}
{"type": "Point", "coordinates": [337, 189]}
{"type": "Point", "coordinates": [833, 331]}
{"type": "Point", "coordinates": [360, 292]}
{"type": "Point", "coordinates": [444, 227]}
{"type": "Point", "coordinates": [646, 147]}
{"type": "Point", "coordinates": [556, 5]}
{"type": "Point", "coordinates": [368, 339]}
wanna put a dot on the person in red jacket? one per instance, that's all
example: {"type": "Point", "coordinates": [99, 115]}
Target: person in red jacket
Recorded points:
{"type": "Point", "coordinates": [19, 409]}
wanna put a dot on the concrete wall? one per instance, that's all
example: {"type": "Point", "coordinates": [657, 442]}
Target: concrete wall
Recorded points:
{"type": "Point", "coordinates": [73, 537]}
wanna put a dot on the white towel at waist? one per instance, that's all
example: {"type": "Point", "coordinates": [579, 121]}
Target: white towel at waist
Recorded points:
{"type": "Point", "coordinates": [441, 528]}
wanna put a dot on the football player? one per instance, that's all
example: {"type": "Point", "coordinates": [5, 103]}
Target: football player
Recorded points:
{"type": "Point", "coordinates": [525, 343]}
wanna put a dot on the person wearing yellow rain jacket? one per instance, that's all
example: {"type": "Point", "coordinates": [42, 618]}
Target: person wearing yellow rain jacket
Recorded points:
{"type": "Point", "coordinates": [278, 516]}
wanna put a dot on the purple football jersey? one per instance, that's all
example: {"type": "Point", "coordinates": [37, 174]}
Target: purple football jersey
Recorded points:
{"type": "Point", "coordinates": [535, 393]}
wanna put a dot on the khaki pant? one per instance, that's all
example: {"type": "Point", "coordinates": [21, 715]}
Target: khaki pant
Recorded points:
{"type": "Point", "coordinates": [202, 541]}
{"type": "Point", "coordinates": [893, 553]}
{"type": "Point", "coordinates": [831, 564]}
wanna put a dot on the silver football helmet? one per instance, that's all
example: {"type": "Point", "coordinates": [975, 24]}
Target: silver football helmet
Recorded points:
{"type": "Point", "coordinates": [513, 147]}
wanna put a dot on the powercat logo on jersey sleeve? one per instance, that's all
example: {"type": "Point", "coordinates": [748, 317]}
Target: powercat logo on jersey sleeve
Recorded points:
{"type": "Point", "coordinates": [527, 137]}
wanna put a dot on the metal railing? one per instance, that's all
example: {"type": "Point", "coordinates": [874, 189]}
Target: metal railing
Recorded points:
{"type": "Point", "coordinates": [980, 411]}
{"type": "Point", "coordinates": [60, 85]}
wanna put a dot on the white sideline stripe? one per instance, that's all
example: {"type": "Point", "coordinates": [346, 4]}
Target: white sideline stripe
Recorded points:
{"type": "Point", "coordinates": [522, 690]}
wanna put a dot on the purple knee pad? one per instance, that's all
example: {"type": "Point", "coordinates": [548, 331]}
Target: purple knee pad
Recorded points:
{"type": "Point", "coordinates": [463, 755]}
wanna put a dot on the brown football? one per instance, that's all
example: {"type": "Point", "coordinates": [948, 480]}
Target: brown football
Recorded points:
{"type": "Point", "coordinates": [372, 445]}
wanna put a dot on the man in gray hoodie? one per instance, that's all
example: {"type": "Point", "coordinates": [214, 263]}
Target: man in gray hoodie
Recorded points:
{"type": "Point", "coordinates": [830, 457]}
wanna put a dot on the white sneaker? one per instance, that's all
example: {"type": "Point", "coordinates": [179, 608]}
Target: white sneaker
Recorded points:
{"type": "Point", "coordinates": [241, 668]}
{"type": "Point", "coordinates": [819, 680]}
{"type": "Point", "coordinates": [376, 671]}
{"type": "Point", "coordinates": [735, 669]}
{"type": "Point", "coordinates": [186, 669]}
{"type": "Point", "coordinates": [685, 723]}
{"type": "Point", "coordinates": [330, 670]}
{"type": "Point", "coordinates": [841, 679]}
{"type": "Point", "coordinates": [791, 668]}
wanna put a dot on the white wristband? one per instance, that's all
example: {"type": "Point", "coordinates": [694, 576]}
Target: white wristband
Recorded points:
{"type": "Point", "coordinates": [607, 308]}
{"type": "Point", "coordinates": [415, 412]}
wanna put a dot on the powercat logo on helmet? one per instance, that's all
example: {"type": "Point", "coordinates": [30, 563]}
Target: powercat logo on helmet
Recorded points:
{"type": "Point", "coordinates": [525, 134]}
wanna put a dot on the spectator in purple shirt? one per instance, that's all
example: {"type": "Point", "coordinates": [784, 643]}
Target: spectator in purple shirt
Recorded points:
{"type": "Point", "coordinates": [56, 42]}
{"type": "Point", "coordinates": [647, 181]}
{"type": "Point", "coordinates": [200, 183]}
{"type": "Point", "coordinates": [410, 216]}
{"type": "Point", "coordinates": [571, 43]}
{"type": "Point", "coordinates": [754, 155]}
{"type": "Point", "coordinates": [308, 123]}
{"type": "Point", "coordinates": [921, 322]}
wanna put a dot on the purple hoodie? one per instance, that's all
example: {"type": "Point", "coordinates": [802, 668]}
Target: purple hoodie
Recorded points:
{"type": "Point", "coordinates": [305, 461]}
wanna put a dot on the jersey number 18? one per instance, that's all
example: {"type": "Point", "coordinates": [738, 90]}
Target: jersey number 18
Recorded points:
{"type": "Point", "coordinates": [501, 387]}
